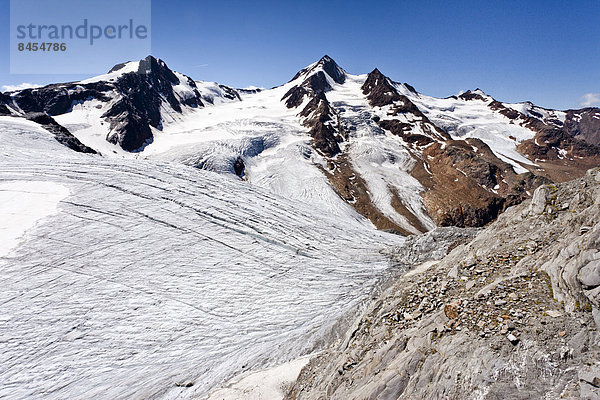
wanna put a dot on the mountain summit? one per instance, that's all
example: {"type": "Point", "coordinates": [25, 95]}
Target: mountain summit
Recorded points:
{"type": "Point", "coordinates": [327, 65]}
{"type": "Point", "coordinates": [132, 99]}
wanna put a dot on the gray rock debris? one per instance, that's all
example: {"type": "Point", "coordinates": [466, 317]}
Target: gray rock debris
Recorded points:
{"type": "Point", "coordinates": [433, 245]}
{"type": "Point", "coordinates": [509, 315]}
{"type": "Point", "coordinates": [589, 274]}
{"type": "Point", "coordinates": [539, 199]}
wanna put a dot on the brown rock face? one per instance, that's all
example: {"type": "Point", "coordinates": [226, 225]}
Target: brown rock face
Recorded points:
{"type": "Point", "coordinates": [324, 128]}
{"type": "Point", "coordinates": [459, 192]}
{"type": "Point", "coordinates": [560, 156]}
{"type": "Point", "coordinates": [379, 90]}
{"type": "Point", "coordinates": [502, 109]}
{"type": "Point", "coordinates": [404, 130]}
{"type": "Point", "coordinates": [325, 138]}
{"type": "Point", "coordinates": [318, 83]}
{"type": "Point", "coordinates": [584, 125]}
{"type": "Point", "coordinates": [295, 96]}
{"type": "Point", "coordinates": [549, 140]}
{"type": "Point", "coordinates": [469, 95]}
{"type": "Point", "coordinates": [469, 188]}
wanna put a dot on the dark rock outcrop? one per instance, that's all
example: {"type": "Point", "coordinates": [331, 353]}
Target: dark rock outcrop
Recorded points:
{"type": "Point", "coordinates": [232, 94]}
{"type": "Point", "coordinates": [61, 134]}
{"type": "Point", "coordinates": [129, 125]}
{"type": "Point", "coordinates": [58, 99]}
{"type": "Point", "coordinates": [248, 91]}
{"type": "Point", "coordinates": [379, 90]}
{"type": "Point", "coordinates": [314, 85]}
{"type": "Point", "coordinates": [549, 140]}
{"type": "Point", "coordinates": [295, 96]}
{"type": "Point", "coordinates": [472, 95]}
{"type": "Point", "coordinates": [404, 130]}
{"type": "Point", "coordinates": [332, 69]}
{"type": "Point", "coordinates": [239, 167]}
{"type": "Point", "coordinates": [318, 83]}
{"type": "Point", "coordinates": [320, 117]}
{"type": "Point", "coordinates": [410, 87]}
{"type": "Point", "coordinates": [4, 101]}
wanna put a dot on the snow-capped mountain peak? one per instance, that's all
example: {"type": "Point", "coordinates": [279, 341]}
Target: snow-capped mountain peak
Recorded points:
{"type": "Point", "coordinates": [377, 77]}
{"type": "Point", "coordinates": [476, 94]}
{"type": "Point", "coordinates": [146, 66]}
{"type": "Point", "coordinates": [317, 78]}
{"type": "Point", "coordinates": [327, 65]}
{"type": "Point", "coordinates": [119, 112]}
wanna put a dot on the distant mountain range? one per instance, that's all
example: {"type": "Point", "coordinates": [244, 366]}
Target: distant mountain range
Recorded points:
{"type": "Point", "coordinates": [360, 145]}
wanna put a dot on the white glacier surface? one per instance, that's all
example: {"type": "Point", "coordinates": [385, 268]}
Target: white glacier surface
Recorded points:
{"type": "Point", "coordinates": [22, 204]}
{"type": "Point", "coordinates": [148, 275]}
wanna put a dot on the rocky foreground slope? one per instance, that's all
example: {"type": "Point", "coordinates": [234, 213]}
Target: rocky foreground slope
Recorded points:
{"type": "Point", "coordinates": [512, 314]}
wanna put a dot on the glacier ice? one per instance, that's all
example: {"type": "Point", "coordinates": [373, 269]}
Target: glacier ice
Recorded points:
{"type": "Point", "coordinates": [153, 273]}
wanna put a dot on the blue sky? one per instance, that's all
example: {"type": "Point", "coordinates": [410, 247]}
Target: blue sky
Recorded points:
{"type": "Point", "coordinates": [547, 52]}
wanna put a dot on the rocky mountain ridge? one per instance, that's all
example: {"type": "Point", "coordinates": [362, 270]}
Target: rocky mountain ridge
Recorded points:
{"type": "Point", "coordinates": [466, 183]}
{"type": "Point", "coordinates": [405, 161]}
{"type": "Point", "coordinates": [138, 93]}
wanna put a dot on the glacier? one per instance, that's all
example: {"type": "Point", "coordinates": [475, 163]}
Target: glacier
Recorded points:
{"type": "Point", "coordinates": [153, 279]}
